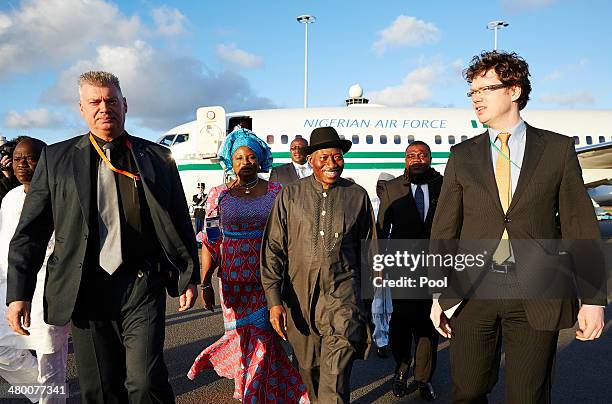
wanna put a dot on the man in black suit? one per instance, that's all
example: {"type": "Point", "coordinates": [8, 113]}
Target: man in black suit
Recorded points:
{"type": "Point", "coordinates": [122, 233]}
{"type": "Point", "coordinates": [407, 208]}
{"type": "Point", "coordinates": [298, 168]}
{"type": "Point", "coordinates": [513, 182]}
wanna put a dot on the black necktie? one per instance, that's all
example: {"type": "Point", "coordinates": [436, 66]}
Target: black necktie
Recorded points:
{"type": "Point", "coordinates": [419, 198]}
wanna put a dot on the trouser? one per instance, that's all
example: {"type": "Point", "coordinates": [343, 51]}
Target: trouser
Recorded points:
{"type": "Point", "coordinates": [52, 369]}
{"type": "Point", "coordinates": [337, 334]}
{"type": "Point", "coordinates": [410, 321]}
{"type": "Point", "coordinates": [475, 353]}
{"type": "Point", "coordinates": [329, 381]}
{"type": "Point", "coordinates": [120, 359]}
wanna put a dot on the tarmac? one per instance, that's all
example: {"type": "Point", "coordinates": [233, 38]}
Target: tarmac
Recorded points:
{"type": "Point", "coordinates": [582, 372]}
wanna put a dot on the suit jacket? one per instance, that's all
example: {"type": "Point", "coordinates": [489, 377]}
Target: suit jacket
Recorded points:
{"type": "Point", "coordinates": [284, 174]}
{"type": "Point", "coordinates": [398, 208]}
{"type": "Point", "coordinates": [59, 199]}
{"type": "Point", "coordinates": [550, 183]}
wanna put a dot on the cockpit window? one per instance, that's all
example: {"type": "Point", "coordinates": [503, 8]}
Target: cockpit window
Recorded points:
{"type": "Point", "coordinates": [167, 140]}
{"type": "Point", "coordinates": [181, 138]}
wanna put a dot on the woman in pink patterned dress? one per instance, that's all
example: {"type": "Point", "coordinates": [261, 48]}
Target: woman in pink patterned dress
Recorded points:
{"type": "Point", "coordinates": [236, 213]}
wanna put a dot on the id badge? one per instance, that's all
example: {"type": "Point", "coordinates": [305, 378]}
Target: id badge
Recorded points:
{"type": "Point", "coordinates": [213, 229]}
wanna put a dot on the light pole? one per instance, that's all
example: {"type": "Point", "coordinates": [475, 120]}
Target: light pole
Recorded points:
{"type": "Point", "coordinates": [495, 25]}
{"type": "Point", "coordinates": [306, 19]}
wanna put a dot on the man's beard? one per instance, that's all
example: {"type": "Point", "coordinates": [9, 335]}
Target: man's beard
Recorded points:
{"type": "Point", "coordinates": [421, 177]}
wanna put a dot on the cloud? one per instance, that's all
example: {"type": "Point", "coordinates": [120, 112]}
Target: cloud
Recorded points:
{"type": "Point", "coordinates": [406, 31]}
{"type": "Point", "coordinates": [34, 118]}
{"type": "Point", "coordinates": [162, 90]}
{"type": "Point", "coordinates": [54, 31]}
{"type": "Point", "coordinates": [169, 21]}
{"type": "Point", "coordinates": [522, 5]}
{"type": "Point", "coordinates": [563, 71]}
{"type": "Point", "coordinates": [415, 88]}
{"type": "Point", "coordinates": [231, 55]}
{"type": "Point", "coordinates": [570, 99]}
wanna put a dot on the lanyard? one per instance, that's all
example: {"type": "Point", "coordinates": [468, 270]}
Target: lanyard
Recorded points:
{"type": "Point", "coordinates": [502, 154]}
{"type": "Point", "coordinates": [134, 177]}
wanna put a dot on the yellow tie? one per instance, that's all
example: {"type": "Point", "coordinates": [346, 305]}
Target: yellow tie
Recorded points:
{"type": "Point", "coordinates": [504, 188]}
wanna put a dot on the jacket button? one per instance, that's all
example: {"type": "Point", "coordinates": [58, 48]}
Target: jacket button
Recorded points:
{"type": "Point", "coordinates": [507, 220]}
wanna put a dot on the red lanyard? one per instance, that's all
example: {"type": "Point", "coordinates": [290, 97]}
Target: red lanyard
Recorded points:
{"type": "Point", "coordinates": [134, 177]}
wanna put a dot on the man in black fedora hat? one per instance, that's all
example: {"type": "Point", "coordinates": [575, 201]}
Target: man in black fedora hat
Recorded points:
{"type": "Point", "coordinates": [311, 247]}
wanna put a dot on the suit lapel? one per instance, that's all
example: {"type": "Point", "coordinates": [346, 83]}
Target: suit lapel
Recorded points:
{"type": "Point", "coordinates": [434, 192]}
{"type": "Point", "coordinates": [145, 169]}
{"type": "Point", "coordinates": [534, 144]}
{"type": "Point", "coordinates": [411, 202]}
{"type": "Point", "coordinates": [291, 171]}
{"type": "Point", "coordinates": [81, 165]}
{"type": "Point", "coordinates": [482, 158]}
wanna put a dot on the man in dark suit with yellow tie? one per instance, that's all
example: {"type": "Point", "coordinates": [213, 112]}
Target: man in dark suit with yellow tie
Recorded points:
{"type": "Point", "coordinates": [513, 182]}
{"type": "Point", "coordinates": [122, 236]}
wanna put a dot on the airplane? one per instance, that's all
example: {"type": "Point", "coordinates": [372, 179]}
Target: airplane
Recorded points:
{"type": "Point", "coordinates": [380, 136]}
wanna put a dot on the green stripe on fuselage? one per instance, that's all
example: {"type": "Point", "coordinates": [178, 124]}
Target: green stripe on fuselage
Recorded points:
{"type": "Point", "coordinates": [374, 155]}
{"type": "Point", "coordinates": [348, 165]}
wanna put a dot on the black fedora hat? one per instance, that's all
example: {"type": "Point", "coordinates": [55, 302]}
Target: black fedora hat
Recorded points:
{"type": "Point", "coordinates": [325, 138]}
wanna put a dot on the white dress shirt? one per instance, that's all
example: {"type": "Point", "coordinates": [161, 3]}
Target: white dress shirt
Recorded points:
{"type": "Point", "coordinates": [302, 170]}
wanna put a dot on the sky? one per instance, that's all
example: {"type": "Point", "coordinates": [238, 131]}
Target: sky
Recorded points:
{"type": "Point", "coordinates": [174, 56]}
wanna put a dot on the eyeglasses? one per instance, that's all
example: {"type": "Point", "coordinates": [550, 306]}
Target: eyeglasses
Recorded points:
{"type": "Point", "coordinates": [486, 89]}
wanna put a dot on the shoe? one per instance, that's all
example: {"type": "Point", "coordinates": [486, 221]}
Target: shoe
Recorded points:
{"type": "Point", "coordinates": [400, 383]}
{"type": "Point", "coordinates": [427, 391]}
{"type": "Point", "coordinates": [383, 351]}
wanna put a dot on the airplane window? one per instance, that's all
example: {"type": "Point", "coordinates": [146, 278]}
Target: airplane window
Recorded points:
{"type": "Point", "coordinates": [576, 140]}
{"type": "Point", "coordinates": [369, 139]}
{"type": "Point", "coordinates": [438, 139]}
{"type": "Point", "coordinates": [451, 139]}
{"type": "Point", "coordinates": [397, 139]}
{"type": "Point", "coordinates": [463, 137]}
{"type": "Point", "coordinates": [181, 138]}
{"type": "Point", "coordinates": [270, 139]}
{"type": "Point", "coordinates": [284, 139]}
{"type": "Point", "coordinates": [167, 140]}
{"type": "Point", "coordinates": [410, 139]}
{"type": "Point", "coordinates": [589, 140]}
{"type": "Point", "coordinates": [383, 139]}
{"type": "Point", "coordinates": [355, 139]}
{"type": "Point", "coordinates": [602, 139]}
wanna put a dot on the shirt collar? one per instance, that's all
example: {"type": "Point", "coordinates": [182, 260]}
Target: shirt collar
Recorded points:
{"type": "Point", "coordinates": [516, 133]}
{"type": "Point", "coordinates": [319, 187]}
{"type": "Point", "coordinates": [296, 165]}
{"type": "Point", "coordinates": [118, 141]}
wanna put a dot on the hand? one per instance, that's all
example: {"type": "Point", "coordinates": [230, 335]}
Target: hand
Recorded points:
{"type": "Point", "coordinates": [17, 311]}
{"type": "Point", "coordinates": [278, 319]}
{"type": "Point", "coordinates": [439, 319]}
{"type": "Point", "coordinates": [590, 322]}
{"type": "Point", "coordinates": [5, 165]}
{"type": "Point", "coordinates": [208, 298]}
{"type": "Point", "coordinates": [188, 298]}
